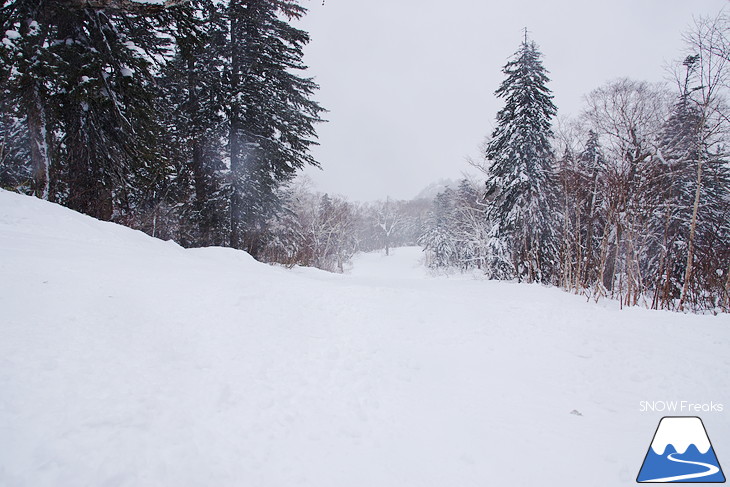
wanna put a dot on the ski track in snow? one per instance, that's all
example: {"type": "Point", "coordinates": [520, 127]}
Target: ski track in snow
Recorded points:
{"type": "Point", "coordinates": [128, 361]}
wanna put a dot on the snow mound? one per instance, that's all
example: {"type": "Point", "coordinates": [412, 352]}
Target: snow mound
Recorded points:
{"type": "Point", "coordinates": [25, 217]}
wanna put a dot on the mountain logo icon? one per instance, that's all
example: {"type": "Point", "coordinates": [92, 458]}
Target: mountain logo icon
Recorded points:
{"type": "Point", "coordinates": [681, 452]}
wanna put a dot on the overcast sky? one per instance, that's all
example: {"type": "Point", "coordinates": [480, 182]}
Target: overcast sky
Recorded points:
{"type": "Point", "coordinates": [409, 84]}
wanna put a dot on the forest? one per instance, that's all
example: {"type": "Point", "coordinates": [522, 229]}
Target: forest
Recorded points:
{"type": "Point", "coordinates": [631, 199]}
{"type": "Point", "coordinates": [191, 121]}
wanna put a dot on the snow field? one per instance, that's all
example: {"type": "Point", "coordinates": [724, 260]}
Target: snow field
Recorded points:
{"type": "Point", "coordinates": [128, 361]}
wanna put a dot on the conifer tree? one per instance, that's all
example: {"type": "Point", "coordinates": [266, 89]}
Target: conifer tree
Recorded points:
{"type": "Point", "coordinates": [83, 79]}
{"type": "Point", "coordinates": [107, 111]}
{"type": "Point", "coordinates": [439, 238]}
{"type": "Point", "coordinates": [520, 184]}
{"type": "Point", "coordinates": [194, 95]}
{"type": "Point", "coordinates": [591, 163]}
{"type": "Point", "coordinates": [15, 169]}
{"type": "Point", "coordinates": [271, 113]}
{"type": "Point", "coordinates": [27, 67]}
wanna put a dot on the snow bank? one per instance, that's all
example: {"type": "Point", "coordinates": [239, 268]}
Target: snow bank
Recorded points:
{"type": "Point", "coordinates": [129, 361]}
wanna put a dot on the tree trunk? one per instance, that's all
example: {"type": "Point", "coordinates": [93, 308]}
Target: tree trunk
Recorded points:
{"type": "Point", "coordinates": [603, 261]}
{"type": "Point", "coordinates": [200, 176]}
{"type": "Point", "coordinates": [236, 125]}
{"type": "Point", "coordinates": [590, 263]}
{"type": "Point", "coordinates": [140, 7]}
{"type": "Point", "coordinates": [727, 290]}
{"type": "Point", "coordinates": [36, 113]}
{"type": "Point", "coordinates": [690, 245]}
{"type": "Point", "coordinates": [40, 162]}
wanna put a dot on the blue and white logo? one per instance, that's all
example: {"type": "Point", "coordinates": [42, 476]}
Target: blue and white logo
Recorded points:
{"type": "Point", "coordinates": [681, 452]}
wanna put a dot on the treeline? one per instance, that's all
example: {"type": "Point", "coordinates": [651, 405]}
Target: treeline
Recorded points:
{"type": "Point", "coordinates": [188, 121]}
{"type": "Point", "coordinates": [184, 120]}
{"type": "Point", "coordinates": [629, 200]}
{"type": "Point", "coordinates": [323, 231]}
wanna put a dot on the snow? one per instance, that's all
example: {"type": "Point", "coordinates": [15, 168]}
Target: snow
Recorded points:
{"type": "Point", "coordinates": [130, 361]}
{"type": "Point", "coordinates": [10, 36]}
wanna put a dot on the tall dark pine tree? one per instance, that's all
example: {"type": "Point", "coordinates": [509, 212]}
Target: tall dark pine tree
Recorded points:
{"type": "Point", "coordinates": [520, 185]}
{"type": "Point", "coordinates": [107, 111]}
{"type": "Point", "coordinates": [271, 114]}
{"type": "Point", "coordinates": [83, 80]}
{"type": "Point", "coordinates": [192, 84]}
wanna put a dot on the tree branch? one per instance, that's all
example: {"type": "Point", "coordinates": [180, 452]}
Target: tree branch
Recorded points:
{"type": "Point", "coordinates": [140, 7]}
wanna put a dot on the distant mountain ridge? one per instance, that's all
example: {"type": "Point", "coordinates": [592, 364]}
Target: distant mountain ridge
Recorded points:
{"type": "Point", "coordinates": [430, 191]}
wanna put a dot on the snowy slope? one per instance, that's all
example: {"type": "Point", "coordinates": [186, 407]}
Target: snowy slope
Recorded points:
{"type": "Point", "coordinates": [128, 361]}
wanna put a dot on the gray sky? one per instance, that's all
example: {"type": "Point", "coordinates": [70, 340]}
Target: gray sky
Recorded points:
{"type": "Point", "coordinates": [410, 83]}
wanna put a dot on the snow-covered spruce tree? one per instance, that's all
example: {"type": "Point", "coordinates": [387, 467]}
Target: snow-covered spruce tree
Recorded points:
{"type": "Point", "coordinates": [272, 115]}
{"type": "Point", "coordinates": [438, 240]}
{"type": "Point", "coordinates": [193, 88]}
{"type": "Point", "coordinates": [521, 181]}
{"type": "Point", "coordinates": [82, 80]}
{"type": "Point", "coordinates": [107, 111]}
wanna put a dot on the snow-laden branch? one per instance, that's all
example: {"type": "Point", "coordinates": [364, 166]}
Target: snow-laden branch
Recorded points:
{"type": "Point", "coordinates": [144, 7]}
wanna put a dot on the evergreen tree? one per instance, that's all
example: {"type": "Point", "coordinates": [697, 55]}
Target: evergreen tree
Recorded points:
{"type": "Point", "coordinates": [520, 185]}
{"type": "Point", "coordinates": [439, 238]}
{"type": "Point", "coordinates": [107, 111]}
{"type": "Point", "coordinates": [591, 163]}
{"type": "Point", "coordinates": [84, 79]}
{"type": "Point", "coordinates": [271, 114]}
{"type": "Point", "coordinates": [26, 71]}
{"type": "Point", "coordinates": [15, 169]}
{"type": "Point", "coordinates": [194, 95]}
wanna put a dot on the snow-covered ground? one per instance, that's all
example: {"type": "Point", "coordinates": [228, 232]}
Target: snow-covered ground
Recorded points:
{"type": "Point", "coordinates": [128, 361]}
